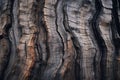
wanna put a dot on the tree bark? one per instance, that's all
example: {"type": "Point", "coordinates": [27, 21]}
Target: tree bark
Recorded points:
{"type": "Point", "coordinates": [59, 40]}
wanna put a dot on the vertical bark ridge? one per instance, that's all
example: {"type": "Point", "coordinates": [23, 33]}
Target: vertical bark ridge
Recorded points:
{"type": "Point", "coordinates": [104, 25]}
{"type": "Point", "coordinates": [5, 26]}
{"type": "Point", "coordinates": [60, 35]}
{"type": "Point", "coordinates": [27, 40]}
{"type": "Point", "coordinates": [68, 53]}
{"type": "Point", "coordinates": [54, 40]}
{"type": "Point", "coordinates": [14, 33]}
{"type": "Point", "coordinates": [41, 43]}
{"type": "Point", "coordinates": [79, 34]}
{"type": "Point", "coordinates": [75, 42]}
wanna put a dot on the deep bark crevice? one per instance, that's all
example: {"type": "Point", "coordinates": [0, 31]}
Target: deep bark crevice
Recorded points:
{"type": "Point", "coordinates": [5, 36]}
{"type": "Point", "coordinates": [58, 75]}
{"type": "Point", "coordinates": [98, 37]}
{"type": "Point", "coordinates": [75, 43]}
{"type": "Point", "coordinates": [115, 15]}
{"type": "Point", "coordinates": [115, 37]}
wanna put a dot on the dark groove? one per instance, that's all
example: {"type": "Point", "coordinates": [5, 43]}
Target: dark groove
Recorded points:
{"type": "Point", "coordinates": [39, 65]}
{"type": "Point", "coordinates": [98, 37]}
{"type": "Point", "coordinates": [25, 50]}
{"type": "Point", "coordinates": [116, 42]}
{"type": "Point", "coordinates": [115, 28]}
{"type": "Point", "coordinates": [11, 13]}
{"type": "Point", "coordinates": [6, 36]}
{"type": "Point", "coordinates": [58, 76]}
{"type": "Point", "coordinates": [75, 42]}
{"type": "Point", "coordinates": [115, 15]}
{"type": "Point", "coordinates": [119, 4]}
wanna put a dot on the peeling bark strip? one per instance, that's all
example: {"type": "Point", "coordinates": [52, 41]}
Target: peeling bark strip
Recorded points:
{"type": "Point", "coordinates": [59, 40]}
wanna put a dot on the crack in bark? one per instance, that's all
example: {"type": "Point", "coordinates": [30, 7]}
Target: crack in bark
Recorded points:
{"type": "Point", "coordinates": [58, 76]}
{"type": "Point", "coordinates": [75, 43]}
{"type": "Point", "coordinates": [98, 37]}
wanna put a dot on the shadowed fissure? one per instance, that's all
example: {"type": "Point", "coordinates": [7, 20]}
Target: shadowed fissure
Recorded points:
{"type": "Point", "coordinates": [115, 28]}
{"type": "Point", "coordinates": [100, 41]}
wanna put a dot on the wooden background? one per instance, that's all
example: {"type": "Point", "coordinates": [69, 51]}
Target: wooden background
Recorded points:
{"type": "Point", "coordinates": [59, 40]}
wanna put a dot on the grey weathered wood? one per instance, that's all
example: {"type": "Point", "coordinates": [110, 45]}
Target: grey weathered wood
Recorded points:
{"type": "Point", "coordinates": [59, 40]}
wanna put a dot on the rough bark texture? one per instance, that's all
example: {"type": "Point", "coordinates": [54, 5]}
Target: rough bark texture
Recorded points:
{"type": "Point", "coordinates": [59, 40]}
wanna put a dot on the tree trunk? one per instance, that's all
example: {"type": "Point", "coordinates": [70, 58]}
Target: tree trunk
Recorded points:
{"type": "Point", "coordinates": [59, 40]}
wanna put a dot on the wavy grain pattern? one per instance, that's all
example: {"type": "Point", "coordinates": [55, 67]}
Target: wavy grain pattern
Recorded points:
{"type": "Point", "coordinates": [59, 40]}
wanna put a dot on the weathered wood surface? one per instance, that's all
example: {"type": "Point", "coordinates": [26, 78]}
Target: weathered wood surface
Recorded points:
{"type": "Point", "coordinates": [59, 40]}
